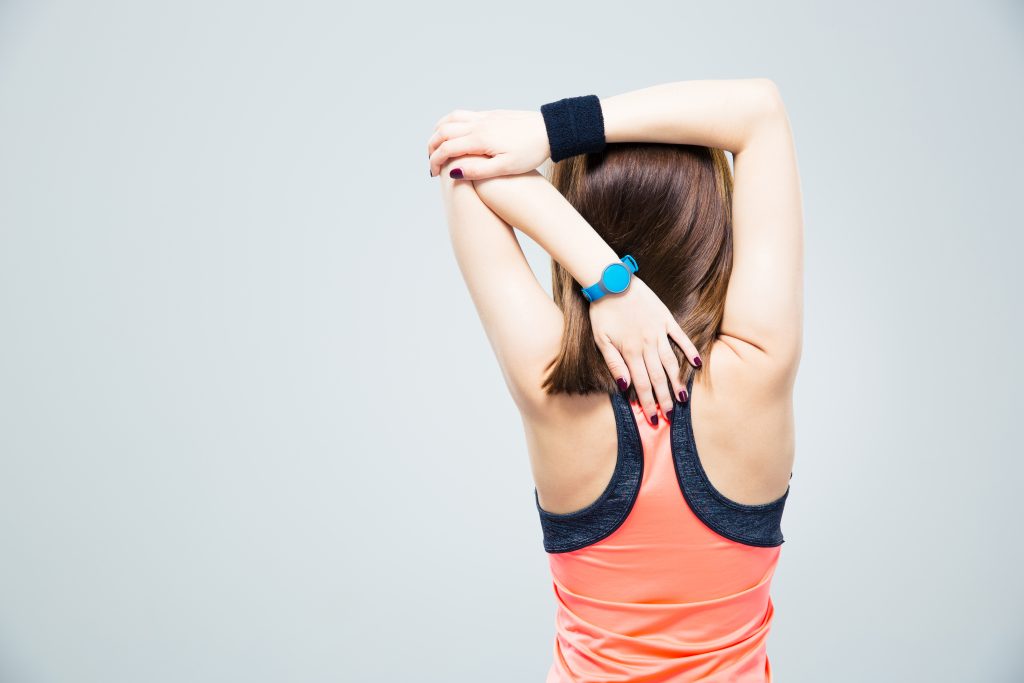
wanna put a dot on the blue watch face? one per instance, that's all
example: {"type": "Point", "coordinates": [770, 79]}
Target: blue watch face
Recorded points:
{"type": "Point", "coordinates": [615, 278]}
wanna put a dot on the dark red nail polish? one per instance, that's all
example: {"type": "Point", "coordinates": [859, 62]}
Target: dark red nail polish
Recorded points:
{"type": "Point", "coordinates": [456, 173]}
{"type": "Point", "coordinates": [622, 384]}
{"type": "Point", "coordinates": [654, 420]}
{"type": "Point", "coordinates": [696, 361]}
{"type": "Point", "coordinates": [682, 396]}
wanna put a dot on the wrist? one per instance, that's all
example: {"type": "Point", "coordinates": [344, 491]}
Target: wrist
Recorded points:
{"type": "Point", "coordinates": [574, 125]}
{"type": "Point", "coordinates": [611, 112]}
{"type": "Point", "coordinates": [539, 133]}
{"type": "Point", "coordinates": [615, 280]}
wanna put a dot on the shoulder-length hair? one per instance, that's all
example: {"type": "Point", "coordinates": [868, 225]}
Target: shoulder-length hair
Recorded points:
{"type": "Point", "coordinates": [668, 205]}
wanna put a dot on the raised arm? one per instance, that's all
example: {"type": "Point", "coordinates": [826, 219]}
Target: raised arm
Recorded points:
{"type": "Point", "coordinates": [764, 303]}
{"type": "Point", "coordinates": [521, 330]}
{"type": "Point", "coordinates": [723, 114]}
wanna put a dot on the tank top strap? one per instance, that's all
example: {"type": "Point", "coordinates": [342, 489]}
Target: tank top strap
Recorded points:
{"type": "Point", "coordinates": [570, 531]}
{"type": "Point", "coordinates": [756, 525]}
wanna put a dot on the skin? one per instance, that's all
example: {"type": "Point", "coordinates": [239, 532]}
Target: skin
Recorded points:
{"type": "Point", "coordinates": [632, 329]}
{"type": "Point", "coordinates": [745, 424]}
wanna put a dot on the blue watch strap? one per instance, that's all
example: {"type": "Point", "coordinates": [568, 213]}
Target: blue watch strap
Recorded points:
{"type": "Point", "coordinates": [593, 292]}
{"type": "Point", "coordinates": [597, 290]}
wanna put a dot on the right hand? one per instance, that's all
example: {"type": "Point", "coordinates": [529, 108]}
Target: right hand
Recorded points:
{"type": "Point", "coordinates": [499, 142]}
{"type": "Point", "coordinates": [632, 330]}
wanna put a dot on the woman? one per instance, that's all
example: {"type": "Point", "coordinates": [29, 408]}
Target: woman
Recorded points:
{"type": "Point", "coordinates": [661, 459]}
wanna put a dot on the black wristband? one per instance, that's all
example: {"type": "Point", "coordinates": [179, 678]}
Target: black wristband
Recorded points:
{"type": "Point", "coordinates": [575, 125]}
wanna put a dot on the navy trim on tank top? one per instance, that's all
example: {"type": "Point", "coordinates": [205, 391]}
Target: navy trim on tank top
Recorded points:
{"type": "Point", "coordinates": [756, 525]}
{"type": "Point", "coordinates": [570, 531]}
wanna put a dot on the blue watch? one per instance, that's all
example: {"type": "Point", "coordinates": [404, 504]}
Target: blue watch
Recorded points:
{"type": "Point", "coordinates": [614, 280]}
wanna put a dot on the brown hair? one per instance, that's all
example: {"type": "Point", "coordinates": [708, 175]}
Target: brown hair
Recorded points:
{"type": "Point", "coordinates": [669, 206]}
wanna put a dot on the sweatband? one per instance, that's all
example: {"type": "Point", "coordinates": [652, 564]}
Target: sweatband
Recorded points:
{"type": "Point", "coordinates": [575, 125]}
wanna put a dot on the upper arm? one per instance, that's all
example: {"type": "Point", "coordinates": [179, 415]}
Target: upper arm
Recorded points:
{"type": "Point", "coordinates": [523, 324]}
{"type": "Point", "coordinates": [764, 303]}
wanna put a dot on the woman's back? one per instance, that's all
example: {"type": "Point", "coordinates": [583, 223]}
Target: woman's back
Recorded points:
{"type": "Point", "coordinates": [660, 571]}
{"type": "Point", "coordinates": [661, 558]}
{"type": "Point", "coordinates": [744, 429]}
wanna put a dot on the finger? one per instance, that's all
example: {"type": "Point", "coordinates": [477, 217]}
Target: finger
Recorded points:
{"type": "Point", "coordinates": [447, 131]}
{"type": "Point", "coordinates": [662, 392]}
{"type": "Point", "coordinates": [456, 147]}
{"type": "Point", "coordinates": [671, 365]}
{"type": "Point", "coordinates": [642, 383]}
{"type": "Point", "coordinates": [457, 115]}
{"type": "Point", "coordinates": [613, 359]}
{"type": "Point", "coordinates": [480, 167]}
{"type": "Point", "coordinates": [679, 337]}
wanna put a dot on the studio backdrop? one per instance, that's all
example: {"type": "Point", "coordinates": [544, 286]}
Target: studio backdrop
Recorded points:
{"type": "Point", "coordinates": [251, 428]}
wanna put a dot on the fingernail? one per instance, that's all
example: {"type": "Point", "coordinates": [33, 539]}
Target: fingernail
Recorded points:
{"type": "Point", "coordinates": [622, 384]}
{"type": "Point", "coordinates": [668, 417]}
{"type": "Point", "coordinates": [696, 361]}
{"type": "Point", "coordinates": [431, 172]}
{"type": "Point", "coordinates": [682, 395]}
{"type": "Point", "coordinates": [456, 173]}
{"type": "Point", "coordinates": [654, 420]}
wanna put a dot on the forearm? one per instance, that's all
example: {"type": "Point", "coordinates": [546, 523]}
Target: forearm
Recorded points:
{"type": "Point", "coordinates": [724, 114]}
{"type": "Point", "coordinates": [529, 202]}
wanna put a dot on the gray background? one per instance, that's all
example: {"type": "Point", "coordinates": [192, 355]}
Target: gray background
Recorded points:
{"type": "Point", "coordinates": [251, 428]}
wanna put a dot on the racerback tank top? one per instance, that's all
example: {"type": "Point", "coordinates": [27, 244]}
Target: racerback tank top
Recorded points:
{"type": "Point", "coordinates": [662, 578]}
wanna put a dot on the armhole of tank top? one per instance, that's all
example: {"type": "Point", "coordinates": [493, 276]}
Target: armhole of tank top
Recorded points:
{"type": "Point", "coordinates": [565, 532]}
{"type": "Point", "coordinates": [756, 525]}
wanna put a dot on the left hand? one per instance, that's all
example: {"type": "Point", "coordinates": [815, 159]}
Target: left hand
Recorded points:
{"type": "Point", "coordinates": [632, 330]}
{"type": "Point", "coordinates": [504, 142]}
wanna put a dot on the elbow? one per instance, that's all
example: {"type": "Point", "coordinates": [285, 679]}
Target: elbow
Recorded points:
{"type": "Point", "coordinates": [768, 98]}
{"type": "Point", "coordinates": [766, 112]}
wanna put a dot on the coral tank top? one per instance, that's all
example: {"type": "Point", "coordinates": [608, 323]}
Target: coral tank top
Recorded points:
{"type": "Point", "coordinates": [662, 578]}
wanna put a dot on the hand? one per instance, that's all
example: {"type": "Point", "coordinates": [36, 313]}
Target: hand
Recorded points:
{"type": "Point", "coordinates": [507, 142]}
{"type": "Point", "coordinates": [632, 330]}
